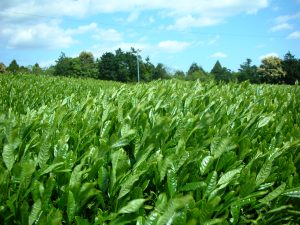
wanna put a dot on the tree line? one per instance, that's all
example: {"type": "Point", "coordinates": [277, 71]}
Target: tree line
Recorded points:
{"type": "Point", "coordinates": [122, 66]}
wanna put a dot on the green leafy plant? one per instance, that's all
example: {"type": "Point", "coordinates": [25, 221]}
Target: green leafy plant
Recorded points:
{"type": "Point", "coordinates": [167, 152]}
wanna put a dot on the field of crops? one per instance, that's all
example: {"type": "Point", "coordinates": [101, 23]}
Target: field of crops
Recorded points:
{"type": "Point", "coordinates": [168, 152]}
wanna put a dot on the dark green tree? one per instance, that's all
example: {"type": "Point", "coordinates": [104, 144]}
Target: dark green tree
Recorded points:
{"type": "Point", "coordinates": [248, 72]}
{"type": "Point", "coordinates": [13, 67]}
{"type": "Point", "coordinates": [292, 68]}
{"type": "Point", "coordinates": [196, 72]}
{"type": "Point", "coordinates": [160, 72]}
{"type": "Point", "coordinates": [107, 67]}
{"type": "Point", "coordinates": [179, 74]}
{"type": "Point", "coordinates": [221, 73]}
{"type": "Point", "coordinates": [63, 66]}
{"type": "Point", "coordinates": [147, 70]}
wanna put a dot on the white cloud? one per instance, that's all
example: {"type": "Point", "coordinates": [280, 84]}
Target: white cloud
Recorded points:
{"type": "Point", "coordinates": [274, 54]}
{"type": "Point", "coordinates": [294, 35]}
{"type": "Point", "coordinates": [202, 12]}
{"type": "Point", "coordinates": [100, 49]}
{"type": "Point", "coordinates": [83, 29]}
{"type": "Point", "coordinates": [286, 18]}
{"type": "Point", "coordinates": [173, 46]}
{"type": "Point", "coordinates": [41, 35]}
{"type": "Point", "coordinates": [219, 55]}
{"type": "Point", "coordinates": [25, 24]}
{"type": "Point", "coordinates": [110, 35]}
{"type": "Point", "coordinates": [281, 26]}
{"type": "Point", "coordinates": [191, 21]}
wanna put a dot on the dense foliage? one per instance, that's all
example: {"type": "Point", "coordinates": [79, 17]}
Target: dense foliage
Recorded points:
{"type": "Point", "coordinates": [80, 151]}
{"type": "Point", "coordinates": [123, 67]}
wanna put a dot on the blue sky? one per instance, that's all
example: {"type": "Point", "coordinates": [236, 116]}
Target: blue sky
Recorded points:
{"type": "Point", "coordinates": [176, 33]}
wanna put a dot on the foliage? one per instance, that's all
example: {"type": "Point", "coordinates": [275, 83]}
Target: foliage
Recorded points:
{"type": "Point", "coordinates": [220, 73]}
{"type": "Point", "coordinates": [196, 72]}
{"type": "Point", "coordinates": [291, 66]}
{"type": "Point", "coordinates": [2, 68]}
{"type": "Point", "coordinates": [13, 67]}
{"type": "Point", "coordinates": [168, 152]}
{"type": "Point", "coordinates": [271, 70]}
{"type": "Point", "coordinates": [248, 72]}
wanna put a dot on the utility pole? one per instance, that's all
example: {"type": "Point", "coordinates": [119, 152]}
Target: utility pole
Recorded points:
{"type": "Point", "coordinates": [138, 64]}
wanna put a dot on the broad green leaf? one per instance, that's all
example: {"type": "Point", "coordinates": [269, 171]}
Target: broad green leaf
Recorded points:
{"type": "Point", "coordinates": [51, 168]}
{"type": "Point", "coordinates": [212, 182]}
{"type": "Point", "coordinates": [274, 194]}
{"type": "Point", "coordinates": [71, 206]}
{"type": "Point", "coordinates": [173, 206]}
{"type": "Point", "coordinates": [132, 206]}
{"type": "Point", "coordinates": [103, 179]}
{"type": "Point", "coordinates": [293, 192]}
{"type": "Point", "coordinates": [206, 164]}
{"type": "Point", "coordinates": [129, 181]}
{"type": "Point", "coordinates": [120, 163]}
{"type": "Point", "coordinates": [54, 217]}
{"type": "Point", "coordinates": [264, 121]}
{"type": "Point", "coordinates": [264, 172]}
{"type": "Point", "coordinates": [8, 156]}
{"type": "Point", "coordinates": [193, 186]}
{"type": "Point", "coordinates": [228, 177]}
{"type": "Point", "coordinates": [172, 182]}
{"type": "Point", "coordinates": [44, 152]}
{"type": "Point", "coordinates": [221, 145]}
{"type": "Point", "coordinates": [35, 212]}
{"type": "Point", "coordinates": [125, 140]}
{"type": "Point", "coordinates": [235, 212]}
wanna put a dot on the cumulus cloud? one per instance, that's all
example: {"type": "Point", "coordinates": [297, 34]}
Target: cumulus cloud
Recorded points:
{"type": "Point", "coordinates": [37, 36]}
{"type": "Point", "coordinates": [173, 46]}
{"type": "Point", "coordinates": [200, 12]}
{"type": "Point", "coordinates": [219, 55]}
{"type": "Point", "coordinates": [281, 26]}
{"type": "Point", "coordinates": [294, 35]}
{"type": "Point", "coordinates": [192, 21]}
{"type": "Point", "coordinates": [274, 54]}
{"type": "Point", "coordinates": [24, 24]}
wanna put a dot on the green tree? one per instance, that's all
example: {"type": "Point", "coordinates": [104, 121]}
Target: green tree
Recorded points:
{"type": "Point", "coordinates": [2, 68]}
{"type": "Point", "coordinates": [67, 66]}
{"type": "Point", "coordinates": [179, 74]}
{"type": "Point", "coordinates": [87, 64]}
{"type": "Point", "coordinates": [160, 72]}
{"type": "Point", "coordinates": [221, 73]}
{"type": "Point", "coordinates": [196, 72]}
{"type": "Point", "coordinates": [292, 68]}
{"type": "Point", "coordinates": [13, 67]}
{"type": "Point", "coordinates": [271, 70]}
{"type": "Point", "coordinates": [248, 72]}
{"type": "Point", "coordinates": [36, 69]}
{"type": "Point", "coordinates": [107, 67]}
{"type": "Point", "coordinates": [147, 70]}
